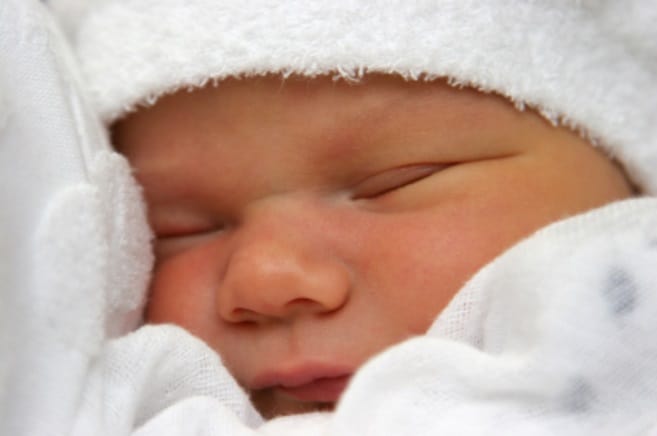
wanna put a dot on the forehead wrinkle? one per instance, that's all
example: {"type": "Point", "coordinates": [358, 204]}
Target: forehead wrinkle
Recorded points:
{"type": "Point", "coordinates": [350, 137]}
{"type": "Point", "coordinates": [370, 125]}
{"type": "Point", "coordinates": [444, 112]}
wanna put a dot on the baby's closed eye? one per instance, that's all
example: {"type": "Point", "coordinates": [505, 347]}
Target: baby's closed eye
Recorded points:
{"type": "Point", "coordinates": [393, 179]}
{"type": "Point", "coordinates": [177, 230]}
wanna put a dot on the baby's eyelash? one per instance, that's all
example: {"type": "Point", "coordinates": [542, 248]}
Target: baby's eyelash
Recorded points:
{"type": "Point", "coordinates": [183, 232]}
{"type": "Point", "coordinates": [390, 180]}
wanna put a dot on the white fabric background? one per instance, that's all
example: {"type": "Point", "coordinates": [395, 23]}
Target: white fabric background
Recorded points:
{"type": "Point", "coordinates": [555, 337]}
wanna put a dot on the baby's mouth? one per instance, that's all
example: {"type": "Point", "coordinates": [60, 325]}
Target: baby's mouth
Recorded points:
{"type": "Point", "coordinates": [299, 389]}
{"type": "Point", "coordinates": [319, 390]}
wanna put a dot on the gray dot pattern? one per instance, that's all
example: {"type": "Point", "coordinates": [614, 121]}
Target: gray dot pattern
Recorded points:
{"type": "Point", "coordinates": [620, 292]}
{"type": "Point", "coordinates": [579, 397]}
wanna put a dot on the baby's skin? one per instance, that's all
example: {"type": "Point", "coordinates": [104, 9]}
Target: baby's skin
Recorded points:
{"type": "Point", "coordinates": [304, 225]}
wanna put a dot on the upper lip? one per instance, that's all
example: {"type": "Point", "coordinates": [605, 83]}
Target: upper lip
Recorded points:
{"type": "Point", "coordinates": [299, 374]}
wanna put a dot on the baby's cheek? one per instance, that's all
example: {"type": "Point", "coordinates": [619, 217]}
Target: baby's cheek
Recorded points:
{"type": "Point", "coordinates": [414, 263]}
{"type": "Point", "coordinates": [430, 255]}
{"type": "Point", "coordinates": [181, 294]}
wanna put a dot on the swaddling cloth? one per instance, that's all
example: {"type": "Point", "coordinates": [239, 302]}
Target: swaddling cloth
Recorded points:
{"type": "Point", "coordinates": [555, 337]}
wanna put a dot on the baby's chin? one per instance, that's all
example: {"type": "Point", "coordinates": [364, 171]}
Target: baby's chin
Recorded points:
{"type": "Point", "coordinates": [272, 404]}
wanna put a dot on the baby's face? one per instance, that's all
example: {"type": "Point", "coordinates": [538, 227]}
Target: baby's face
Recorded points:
{"type": "Point", "coordinates": [304, 226]}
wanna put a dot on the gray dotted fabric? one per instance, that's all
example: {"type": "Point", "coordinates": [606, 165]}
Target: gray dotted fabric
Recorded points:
{"type": "Point", "coordinates": [555, 337]}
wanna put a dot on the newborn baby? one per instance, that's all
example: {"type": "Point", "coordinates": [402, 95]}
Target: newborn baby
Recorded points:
{"type": "Point", "coordinates": [304, 225]}
{"type": "Point", "coordinates": [404, 215]}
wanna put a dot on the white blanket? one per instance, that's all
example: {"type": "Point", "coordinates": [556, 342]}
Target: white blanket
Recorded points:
{"type": "Point", "coordinates": [556, 336]}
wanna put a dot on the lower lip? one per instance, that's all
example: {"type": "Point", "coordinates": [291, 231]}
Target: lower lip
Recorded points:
{"type": "Point", "coordinates": [323, 390]}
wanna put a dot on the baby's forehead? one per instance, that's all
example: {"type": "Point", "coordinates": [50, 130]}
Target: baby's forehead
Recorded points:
{"type": "Point", "coordinates": [319, 132]}
{"type": "Point", "coordinates": [337, 108]}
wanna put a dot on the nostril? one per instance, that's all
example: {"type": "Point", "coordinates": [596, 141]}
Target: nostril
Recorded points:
{"type": "Point", "coordinates": [244, 316]}
{"type": "Point", "coordinates": [306, 305]}
{"type": "Point", "coordinates": [301, 302]}
{"type": "Point", "coordinates": [249, 317]}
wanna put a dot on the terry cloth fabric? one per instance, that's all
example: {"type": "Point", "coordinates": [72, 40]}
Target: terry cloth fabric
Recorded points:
{"type": "Point", "coordinates": [555, 337]}
{"type": "Point", "coordinates": [73, 241]}
{"type": "Point", "coordinates": [589, 64]}
{"type": "Point", "coordinates": [75, 259]}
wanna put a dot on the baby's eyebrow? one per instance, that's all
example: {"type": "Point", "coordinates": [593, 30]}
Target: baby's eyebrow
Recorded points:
{"type": "Point", "coordinates": [378, 121]}
{"type": "Point", "coordinates": [455, 106]}
{"type": "Point", "coordinates": [363, 122]}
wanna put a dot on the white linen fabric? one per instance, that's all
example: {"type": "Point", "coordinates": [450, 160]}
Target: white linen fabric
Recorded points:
{"type": "Point", "coordinates": [555, 337]}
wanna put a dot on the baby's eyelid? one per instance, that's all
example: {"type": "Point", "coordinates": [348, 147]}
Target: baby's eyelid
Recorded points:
{"type": "Point", "coordinates": [394, 178]}
{"type": "Point", "coordinates": [186, 231]}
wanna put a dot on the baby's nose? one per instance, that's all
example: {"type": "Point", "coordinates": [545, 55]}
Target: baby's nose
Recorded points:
{"type": "Point", "coordinates": [273, 278]}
